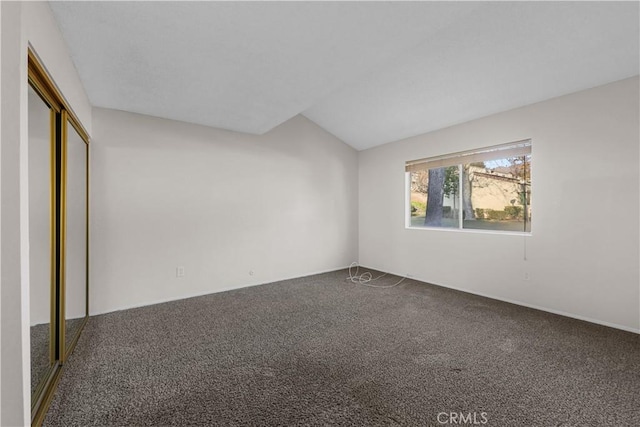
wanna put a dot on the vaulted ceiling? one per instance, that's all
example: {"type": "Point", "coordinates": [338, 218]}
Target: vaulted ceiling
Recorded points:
{"type": "Point", "coordinates": [368, 72]}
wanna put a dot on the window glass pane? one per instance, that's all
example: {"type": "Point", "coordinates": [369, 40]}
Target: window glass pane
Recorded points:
{"type": "Point", "coordinates": [496, 194]}
{"type": "Point", "coordinates": [435, 197]}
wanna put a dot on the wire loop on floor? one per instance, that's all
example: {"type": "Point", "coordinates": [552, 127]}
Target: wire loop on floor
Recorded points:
{"type": "Point", "coordinates": [366, 278]}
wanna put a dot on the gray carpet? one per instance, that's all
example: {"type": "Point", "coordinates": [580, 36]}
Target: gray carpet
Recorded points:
{"type": "Point", "coordinates": [71, 327]}
{"type": "Point", "coordinates": [320, 350]}
{"type": "Point", "coordinates": [40, 358]}
{"type": "Point", "coordinates": [39, 354]}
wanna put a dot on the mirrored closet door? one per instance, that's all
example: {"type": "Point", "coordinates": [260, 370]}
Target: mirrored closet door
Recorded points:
{"type": "Point", "coordinates": [58, 148]}
{"type": "Point", "coordinates": [42, 252]}
{"type": "Point", "coordinates": [75, 233]}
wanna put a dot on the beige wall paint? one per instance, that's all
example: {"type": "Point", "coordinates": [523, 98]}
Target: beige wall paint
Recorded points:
{"type": "Point", "coordinates": [582, 262]}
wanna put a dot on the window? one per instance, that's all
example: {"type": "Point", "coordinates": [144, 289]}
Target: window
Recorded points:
{"type": "Point", "coordinates": [487, 189]}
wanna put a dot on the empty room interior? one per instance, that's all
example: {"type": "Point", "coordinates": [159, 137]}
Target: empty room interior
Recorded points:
{"type": "Point", "coordinates": [320, 213]}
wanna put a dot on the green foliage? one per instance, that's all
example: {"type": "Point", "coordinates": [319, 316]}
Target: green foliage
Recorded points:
{"type": "Point", "coordinates": [451, 180]}
{"type": "Point", "coordinates": [418, 208]}
{"type": "Point", "coordinates": [524, 196]}
{"type": "Point", "coordinates": [479, 213]}
{"type": "Point", "coordinates": [514, 212]}
{"type": "Point", "coordinates": [496, 215]}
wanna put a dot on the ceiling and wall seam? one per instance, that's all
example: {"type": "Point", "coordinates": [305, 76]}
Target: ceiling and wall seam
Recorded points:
{"type": "Point", "coordinates": [369, 73]}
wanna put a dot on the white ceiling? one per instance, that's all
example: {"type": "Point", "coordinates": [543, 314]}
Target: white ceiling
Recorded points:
{"type": "Point", "coordinates": [368, 72]}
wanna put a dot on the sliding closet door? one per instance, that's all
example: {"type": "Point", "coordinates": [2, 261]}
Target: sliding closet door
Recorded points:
{"type": "Point", "coordinates": [58, 232]}
{"type": "Point", "coordinates": [42, 250]}
{"type": "Point", "coordinates": [75, 232]}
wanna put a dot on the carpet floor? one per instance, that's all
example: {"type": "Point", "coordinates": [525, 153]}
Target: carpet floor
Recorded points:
{"type": "Point", "coordinates": [320, 350]}
{"type": "Point", "coordinates": [40, 352]}
{"type": "Point", "coordinates": [40, 358]}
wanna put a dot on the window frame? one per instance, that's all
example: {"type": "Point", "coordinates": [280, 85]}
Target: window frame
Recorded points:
{"type": "Point", "coordinates": [460, 159]}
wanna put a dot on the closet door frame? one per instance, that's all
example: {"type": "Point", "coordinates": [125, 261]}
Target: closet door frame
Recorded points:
{"type": "Point", "coordinates": [62, 116]}
{"type": "Point", "coordinates": [39, 394]}
{"type": "Point", "coordinates": [66, 121]}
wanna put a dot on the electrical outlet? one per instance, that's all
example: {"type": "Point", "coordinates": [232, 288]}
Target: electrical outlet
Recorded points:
{"type": "Point", "coordinates": [526, 276]}
{"type": "Point", "coordinates": [179, 271]}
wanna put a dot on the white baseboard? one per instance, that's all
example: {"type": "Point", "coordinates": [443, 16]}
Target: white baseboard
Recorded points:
{"type": "Point", "coordinates": [524, 304]}
{"type": "Point", "coordinates": [482, 294]}
{"type": "Point", "coordinates": [207, 292]}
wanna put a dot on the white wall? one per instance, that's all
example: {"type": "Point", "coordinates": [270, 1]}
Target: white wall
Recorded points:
{"type": "Point", "coordinates": [583, 254]}
{"type": "Point", "coordinates": [41, 31]}
{"type": "Point", "coordinates": [23, 24]}
{"type": "Point", "coordinates": [0, 209]}
{"type": "Point", "coordinates": [286, 204]}
{"type": "Point", "coordinates": [14, 389]}
{"type": "Point", "coordinates": [219, 203]}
